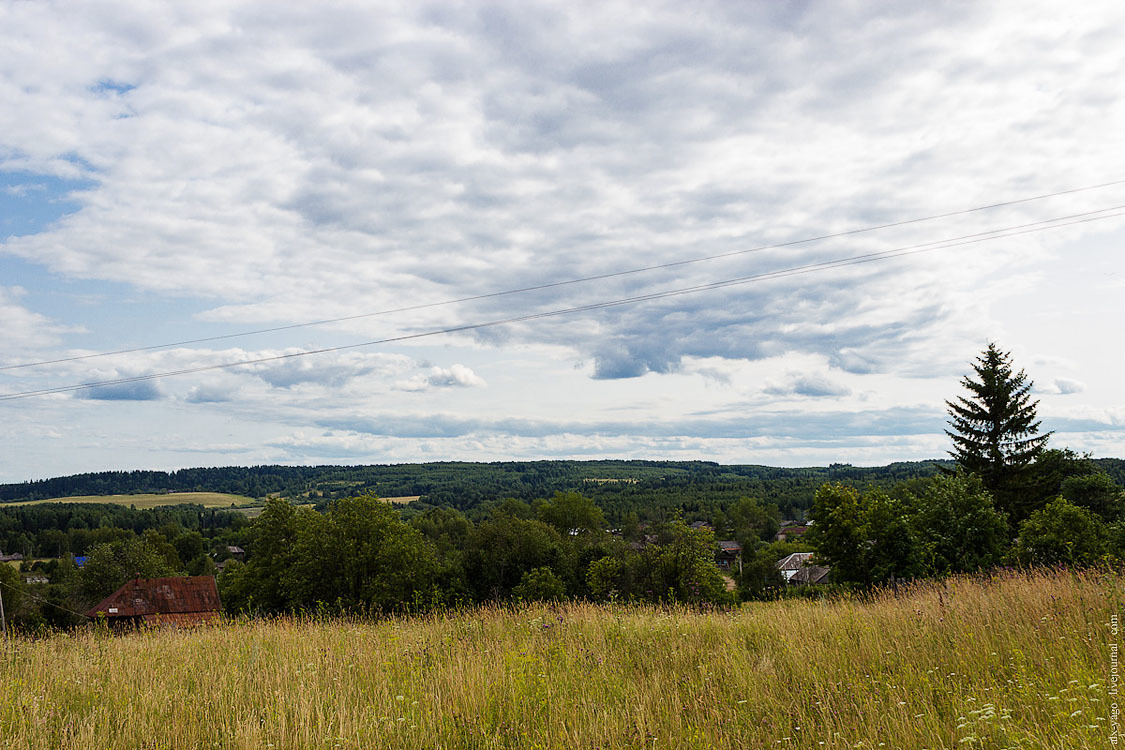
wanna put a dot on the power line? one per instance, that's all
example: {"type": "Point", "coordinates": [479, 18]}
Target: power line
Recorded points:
{"type": "Point", "coordinates": [24, 592]}
{"type": "Point", "coordinates": [568, 282]}
{"type": "Point", "coordinates": [1039, 226]}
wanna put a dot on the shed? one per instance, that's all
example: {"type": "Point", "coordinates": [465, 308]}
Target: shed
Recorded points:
{"type": "Point", "coordinates": [190, 600]}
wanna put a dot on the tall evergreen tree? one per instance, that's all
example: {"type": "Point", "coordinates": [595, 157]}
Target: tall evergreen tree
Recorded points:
{"type": "Point", "coordinates": [995, 431]}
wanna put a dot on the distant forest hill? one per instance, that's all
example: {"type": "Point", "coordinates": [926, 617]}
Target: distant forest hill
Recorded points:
{"type": "Point", "coordinates": [618, 487]}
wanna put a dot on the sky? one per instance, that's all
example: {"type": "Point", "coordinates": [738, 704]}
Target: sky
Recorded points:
{"type": "Point", "coordinates": [180, 171]}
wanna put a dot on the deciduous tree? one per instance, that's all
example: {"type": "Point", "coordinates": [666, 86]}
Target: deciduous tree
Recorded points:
{"type": "Point", "coordinates": [957, 526]}
{"type": "Point", "coordinates": [1061, 534]}
{"type": "Point", "coordinates": [864, 539]}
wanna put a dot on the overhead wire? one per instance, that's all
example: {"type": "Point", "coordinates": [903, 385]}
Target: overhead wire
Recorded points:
{"type": "Point", "coordinates": [1032, 227]}
{"type": "Point", "coordinates": [568, 282]}
{"type": "Point", "coordinates": [24, 592]}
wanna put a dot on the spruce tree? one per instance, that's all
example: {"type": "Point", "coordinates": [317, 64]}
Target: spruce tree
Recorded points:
{"type": "Point", "coordinates": [995, 431]}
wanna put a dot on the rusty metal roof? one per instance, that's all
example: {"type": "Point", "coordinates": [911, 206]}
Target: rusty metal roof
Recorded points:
{"type": "Point", "coordinates": [161, 596]}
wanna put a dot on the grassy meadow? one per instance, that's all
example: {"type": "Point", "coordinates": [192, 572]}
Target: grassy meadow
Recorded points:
{"type": "Point", "coordinates": [1009, 661]}
{"type": "Point", "coordinates": [206, 499]}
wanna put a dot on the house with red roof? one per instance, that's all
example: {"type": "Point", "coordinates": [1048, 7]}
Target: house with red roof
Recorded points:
{"type": "Point", "coordinates": [178, 601]}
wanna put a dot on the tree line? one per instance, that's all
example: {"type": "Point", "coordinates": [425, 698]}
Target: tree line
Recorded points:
{"type": "Point", "coordinates": [653, 488]}
{"type": "Point", "coordinates": [1010, 501]}
{"type": "Point", "coordinates": [69, 529]}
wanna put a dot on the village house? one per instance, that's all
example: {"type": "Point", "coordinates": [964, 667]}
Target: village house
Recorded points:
{"type": "Point", "coordinates": [177, 601]}
{"type": "Point", "coordinates": [789, 531]}
{"type": "Point", "coordinates": [729, 556]}
{"type": "Point", "coordinates": [797, 569]}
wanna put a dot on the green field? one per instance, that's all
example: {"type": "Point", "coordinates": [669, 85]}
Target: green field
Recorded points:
{"type": "Point", "coordinates": [206, 499]}
{"type": "Point", "coordinates": [1012, 660]}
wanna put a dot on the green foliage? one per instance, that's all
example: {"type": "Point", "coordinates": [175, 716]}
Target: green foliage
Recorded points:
{"type": "Point", "coordinates": [682, 568]}
{"type": "Point", "coordinates": [1096, 492]}
{"type": "Point", "coordinates": [760, 578]}
{"type": "Point", "coordinates": [358, 556]}
{"type": "Point", "coordinates": [604, 578]}
{"type": "Point", "coordinates": [956, 525]}
{"type": "Point", "coordinates": [202, 565]}
{"type": "Point", "coordinates": [1050, 469]}
{"type": "Point", "coordinates": [108, 566]}
{"type": "Point", "coordinates": [838, 534]}
{"type": "Point", "coordinates": [501, 549]}
{"type": "Point", "coordinates": [865, 539]}
{"type": "Point", "coordinates": [446, 528]}
{"type": "Point", "coordinates": [1061, 534]}
{"type": "Point", "coordinates": [239, 588]}
{"type": "Point", "coordinates": [571, 512]}
{"type": "Point", "coordinates": [890, 548]}
{"type": "Point", "coordinates": [652, 489]}
{"type": "Point", "coordinates": [273, 541]}
{"type": "Point", "coordinates": [995, 432]}
{"type": "Point", "coordinates": [59, 529]}
{"type": "Point", "coordinates": [11, 589]}
{"type": "Point", "coordinates": [539, 584]}
{"type": "Point", "coordinates": [373, 558]}
{"type": "Point", "coordinates": [751, 521]}
{"type": "Point", "coordinates": [188, 546]}
{"type": "Point", "coordinates": [1115, 541]}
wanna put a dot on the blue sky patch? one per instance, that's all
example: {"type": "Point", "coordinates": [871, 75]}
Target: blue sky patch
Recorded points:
{"type": "Point", "coordinates": [29, 203]}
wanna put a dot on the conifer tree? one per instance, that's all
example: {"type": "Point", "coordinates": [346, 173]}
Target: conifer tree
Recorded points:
{"type": "Point", "coordinates": [995, 431]}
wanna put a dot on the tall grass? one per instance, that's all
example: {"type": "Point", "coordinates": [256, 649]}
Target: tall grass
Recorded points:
{"type": "Point", "coordinates": [1008, 661]}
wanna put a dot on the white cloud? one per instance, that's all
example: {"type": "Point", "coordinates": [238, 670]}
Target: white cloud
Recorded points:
{"type": "Point", "coordinates": [23, 331]}
{"type": "Point", "coordinates": [1066, 386]}
{"type": "Point", "coordinates": [324, 370]}
{"type": "Point", "coordinates": [211, 393]}
{"type": "Point", "coordinates": [810, 385]}
{"type": "Point", "coordinates": [262, 165]}
{"type": "Point", "coordinates": [457, 376]}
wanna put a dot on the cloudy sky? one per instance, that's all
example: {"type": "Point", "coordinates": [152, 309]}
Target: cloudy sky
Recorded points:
{"type": "Point", "coordinates": [181, 171]}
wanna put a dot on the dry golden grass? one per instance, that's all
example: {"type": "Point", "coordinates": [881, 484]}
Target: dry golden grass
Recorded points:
{"type": "Point", "coordinates": [1016, 661]}
{"type": "Point", "coordinates": [402, 500]}
{"type": "Point", "coordinates": [206, 499]}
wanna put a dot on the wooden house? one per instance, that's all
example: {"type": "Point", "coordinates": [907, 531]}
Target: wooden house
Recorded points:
{"type": "Point", "coordinates": [798, 569]}
{"type": "Point", "coordinates": [729, 556]}
{"type": "Point", "coordinates": [179, 601]}
{"type": "Point", "coordinates": [790, 531]}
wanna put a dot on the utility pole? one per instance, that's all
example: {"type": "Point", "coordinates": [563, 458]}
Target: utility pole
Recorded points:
{"type": "Point", "coordinates": [3, 622]}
